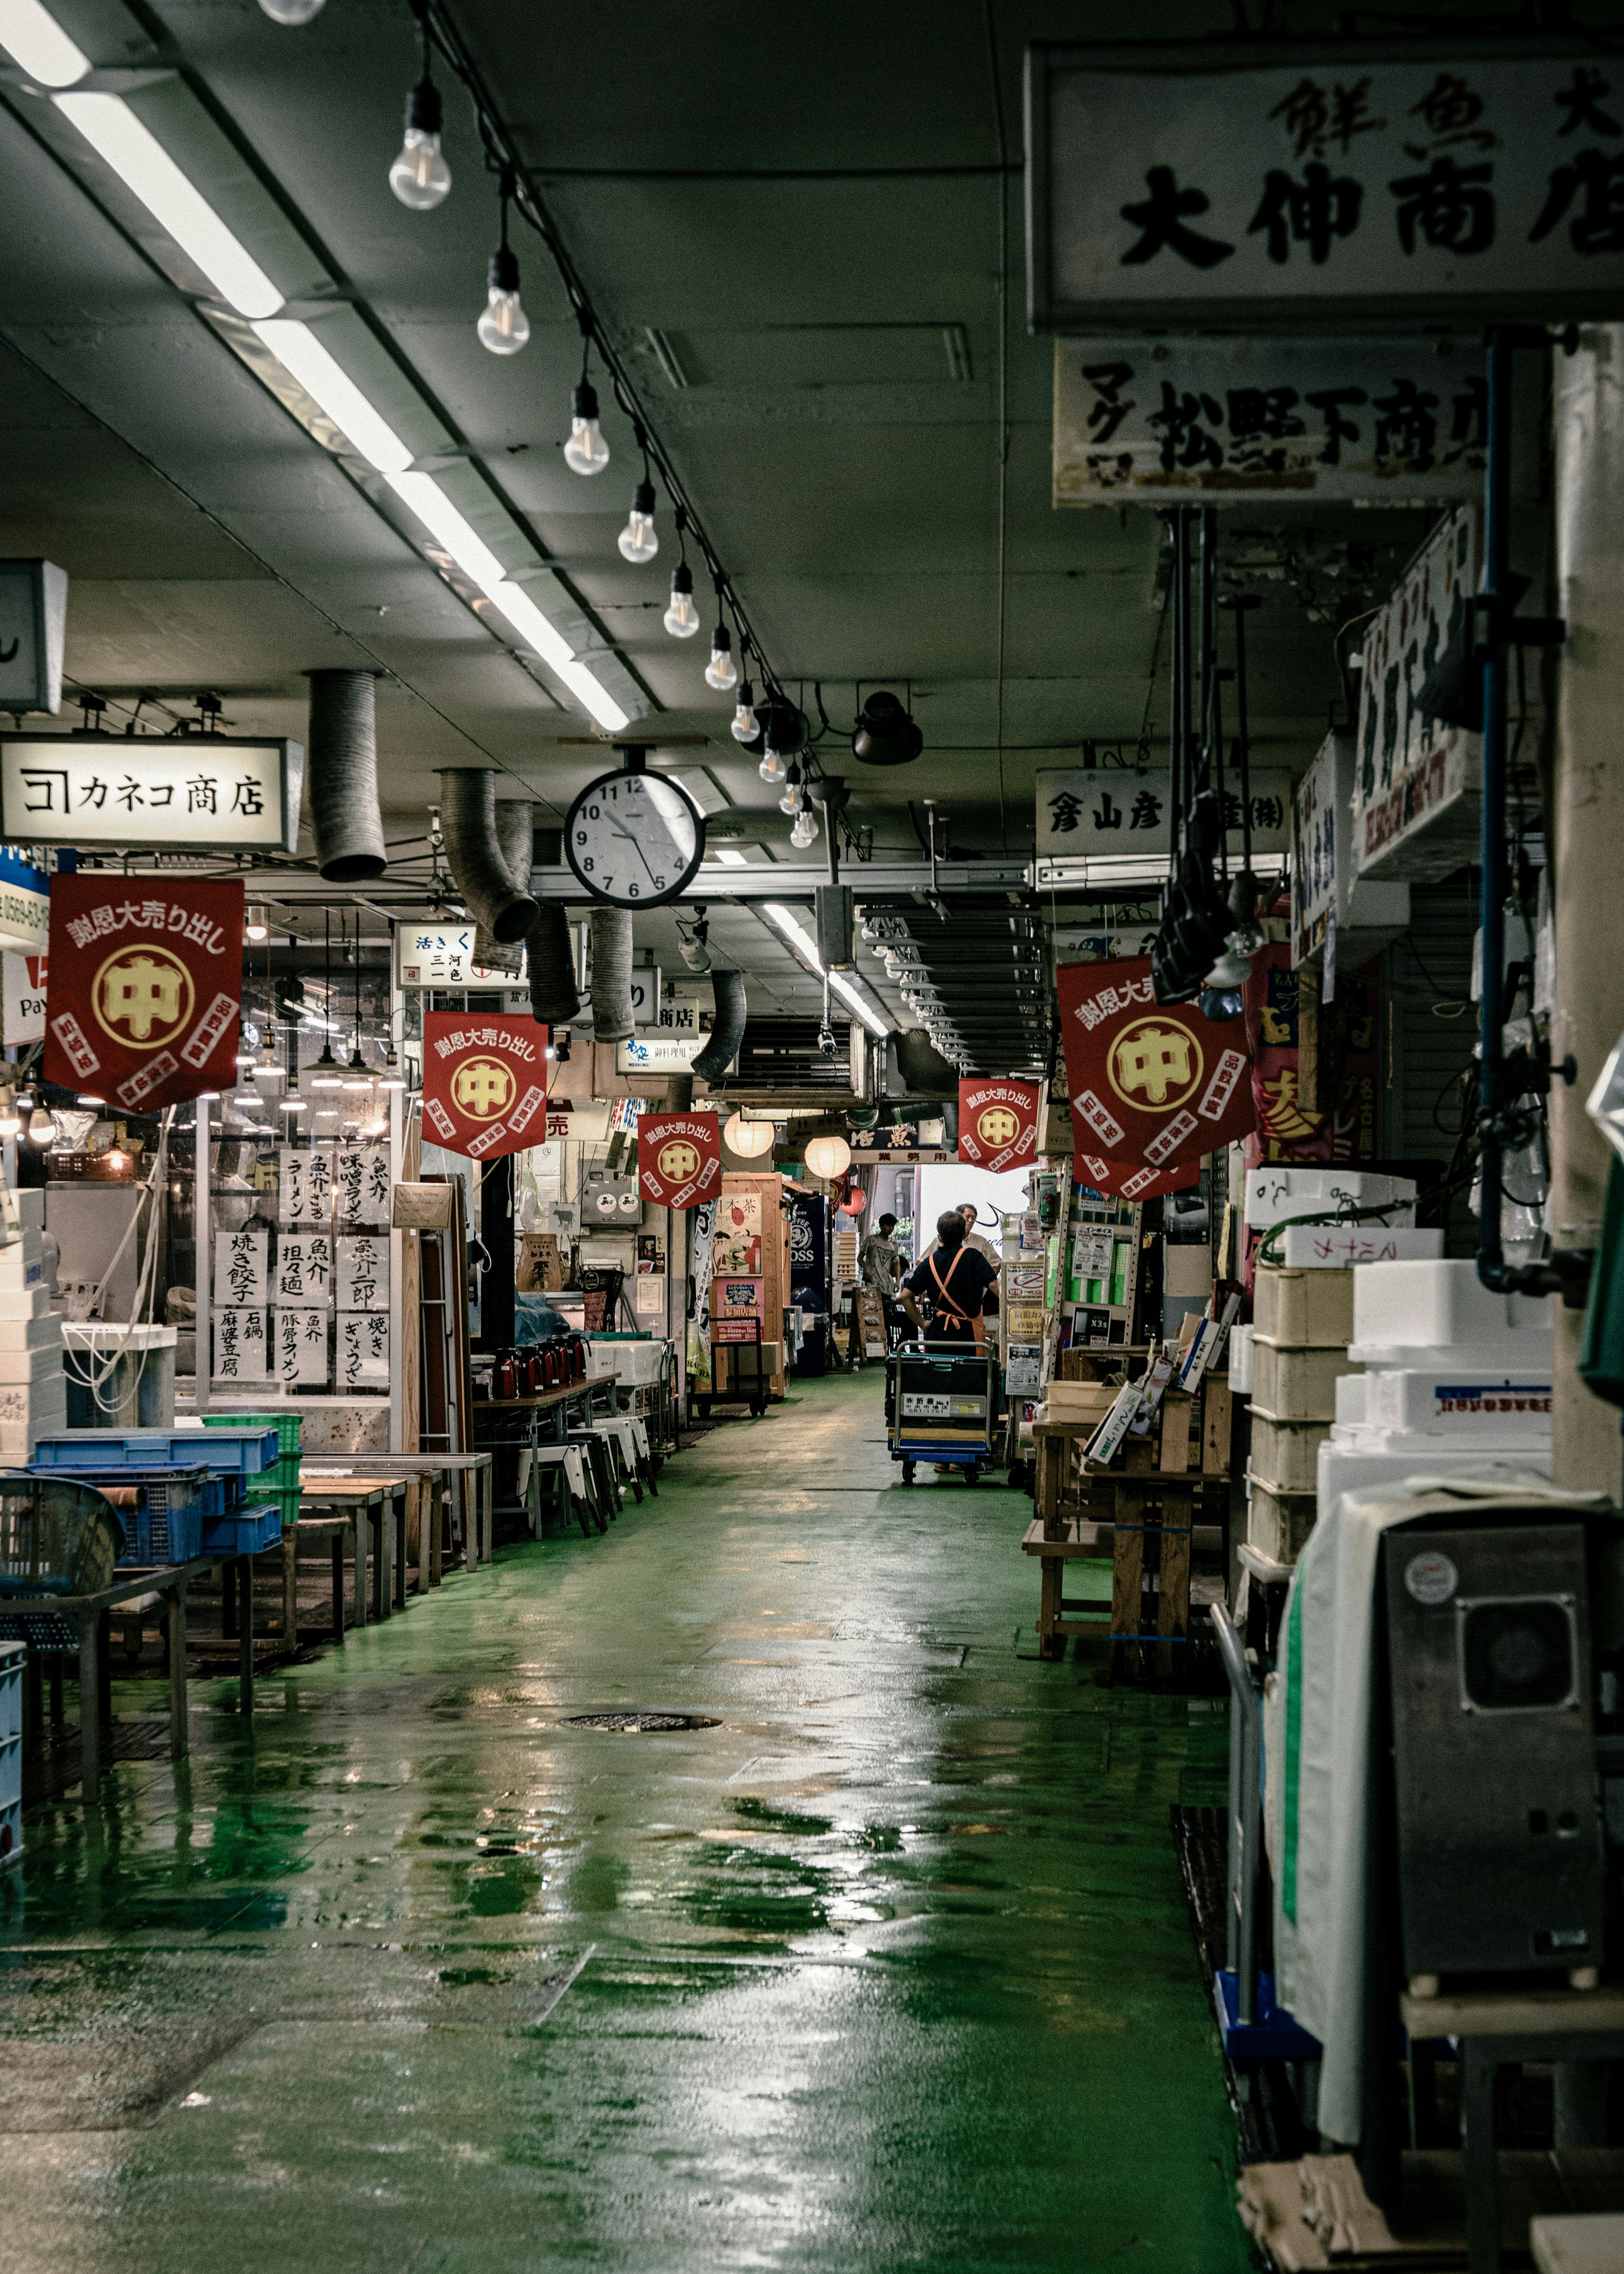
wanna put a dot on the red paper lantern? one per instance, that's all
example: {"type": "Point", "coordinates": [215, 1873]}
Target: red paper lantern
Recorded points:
{"type": "Point", "coordinates": [855, 1202]}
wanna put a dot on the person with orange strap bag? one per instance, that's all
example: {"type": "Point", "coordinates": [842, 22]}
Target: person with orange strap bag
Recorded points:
{"type": "Point", "coordinates": [956, 1282]}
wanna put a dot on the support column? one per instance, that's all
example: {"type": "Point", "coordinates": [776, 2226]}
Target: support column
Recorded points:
{"type": "Point", "coordinates": [1587, 813]}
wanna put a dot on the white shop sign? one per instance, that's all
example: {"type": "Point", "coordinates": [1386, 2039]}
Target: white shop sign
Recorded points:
{"type": "Point", "coordinates": [242, 1268]}
{"type": "Point", "coordinates": [1089, 813]}
{"type": "Point", "coordinates": [362, 1348]}
{"type": "Point", "coordinates": [25, 906]}
{"type": "Point", "coordinates": [199, 793]}
{"type": "Point", "coordinates": [1332, 910]}
{"type": "Point", "coordinates": [1200, 189]}
{"type": "Point", "coordinates": [1417, 788]}
{"type": "Point", "coordinates": [22, 997]}
{"type": "Point", "coordinates": [301, 1338]}
{"type": "Point", "coordinates": [659, 1052]}
{"type": "Point", "coordinates": [442, 955]}
{"type": "Point", "coordinates": [1149, 422]}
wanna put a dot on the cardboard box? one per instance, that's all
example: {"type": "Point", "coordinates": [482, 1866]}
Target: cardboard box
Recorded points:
{"type": "Point", "coordinates": [1304, 1309]}
{"type": "Point", "coordinates": [1295, 1381]}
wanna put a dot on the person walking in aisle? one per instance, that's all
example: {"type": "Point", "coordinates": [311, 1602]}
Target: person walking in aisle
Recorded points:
{"type": "Point", "coordinates": [879, 1266]}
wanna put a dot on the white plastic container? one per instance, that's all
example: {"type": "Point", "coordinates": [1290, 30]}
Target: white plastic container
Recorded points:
{"type": "Point", "coordinates": [1461, 1404]}
{"type": "Point", "coordinates": [1285, 1452]}
{"type": "Point", "coordinates": [1290, 1380]}
{"type": "Point", "coordinates": [1402, 1308]}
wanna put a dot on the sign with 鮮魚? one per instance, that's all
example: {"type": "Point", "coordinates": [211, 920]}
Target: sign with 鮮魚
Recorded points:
{"type": "Point", "coordinates": [145, 986]}
{"type": "Point", "coordinates": [485, 1083]}
{"type": "Point", "coordinates": [997, 1122]}
{"type": "Point", "coordinates": [679, 1158]}
{"type": "Point", "coordinates": [1191, 188]}
{"type": "Point", "coordinates": [201, 794]}
{"type": "Point", "coordinates": [1154, 1084]}
{"type": "Point", "coordinates": [1149, 422]}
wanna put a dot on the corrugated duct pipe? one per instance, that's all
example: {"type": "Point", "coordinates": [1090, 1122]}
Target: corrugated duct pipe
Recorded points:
{"type": "Point", "coordinates": [726, 1028]}
{"type": "Point", "coordinates": [921, 1066]}
{"type": "Point", "coordinates": [516, 834]}
{"type": "Point", "coordinates": [555, 999]}
{"type": "Point", "coordinates": [468, 820]}
{"type": "Point", "coordinates": [340, 775]}
{"type": "Point", "coordinates": [611, 975]}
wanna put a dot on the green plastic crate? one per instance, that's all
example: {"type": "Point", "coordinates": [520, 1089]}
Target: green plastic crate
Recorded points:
{"type": "Point", "coordinates": [284, 1498]}
{"type": "Point", "coordinates": [287, 1426]}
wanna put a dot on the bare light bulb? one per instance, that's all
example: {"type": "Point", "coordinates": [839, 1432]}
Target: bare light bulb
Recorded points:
{"type": "Point", "coordinates": [721, 672]}
{"type": "Point", "coordinates": [773, 769]}
{"type": "Point", "coordinates": [256, 927]}
{"type": "Point", "coordinates": [586, 452]}
{"type": "Point", "coordinates": [682, 617]}
{"type": "Point", "coordinates": [10, 1120]}
{"type": "Point", "coordinates": [790, 803]}
{"type": "Point", "coordinates": [292, 12]}
{"type": "Point", "coordinates": [41, 1128]}
{"type": "Point", "coordinates": [805, 829]}
{"type": "Point", "coordinates": [746, 725]}
{"type": "Point", "coordinates": [420, 176]}
{"type": "Point", "coordinates": [504, 329]}
{"type": "Point", "coordinates": [638, 540]}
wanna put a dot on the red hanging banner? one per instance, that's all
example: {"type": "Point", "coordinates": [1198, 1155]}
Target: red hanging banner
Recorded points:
{"type": "Point", "coordinates": [144, 988]}
{"type": "Point", "coordinates": [997, 1122]}
{"type": "Point", "coordinates": [679, 1158]}
{"type": "Point", "coordinates": [1154, 1083]}
{"type": "Point", "coordinates": [485, 1083]}
{"type": "Point", "coordinates": [1121, 1180]}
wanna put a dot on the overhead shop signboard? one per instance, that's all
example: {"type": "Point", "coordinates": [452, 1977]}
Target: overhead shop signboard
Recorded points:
{"type": "Point", "coordinates": [1144, 422]}
{"type": "Point", "coordinates": [1084, 814]}
{"type": "Point", "coordinates": [442, 955]}
{"type": "Point", "coordinates": [1418, 780]}
{"type": "Point", "coordinates": [25, 906]}
{"type": "Point", "coordinates": [485, 1083]}
{"type": "Point", "coordinates": [196, 794]}
{"type": "Point", "coordinates": [1296, 189]}
{"type": "Point", "coordinates": [1335, 913]}
{"type": "Point", "coordinates": [143, 989]}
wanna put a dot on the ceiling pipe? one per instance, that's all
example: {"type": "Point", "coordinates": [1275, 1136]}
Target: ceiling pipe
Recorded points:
{"type": "Point", "coordinates": [921, 1066]}
{"type": "Point", "coordinates": [612, 1019]}
{"type": "Point", "coordinates": [516, 840]}
{"type": "Point", "coordinates": [342, 776]}
{"type": "Point", "coordinates": [555, 999]}
{"type": "Point", "coordinates": [467, 821]}
{"type": "Point", "coordinates": [726, 1028]}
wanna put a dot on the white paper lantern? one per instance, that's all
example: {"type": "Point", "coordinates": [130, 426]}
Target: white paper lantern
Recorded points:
{"type": "Point", "coordinates": [828, 1157]}
{"type": "Point", "coordinates": [748, 1139]}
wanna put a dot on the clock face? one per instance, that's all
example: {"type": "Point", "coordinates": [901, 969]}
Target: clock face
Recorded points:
{"type": "Point", "coordinates": [635, 838]}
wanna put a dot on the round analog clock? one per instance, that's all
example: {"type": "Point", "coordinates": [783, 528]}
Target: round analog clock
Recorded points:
{"type": "Point", "coordinates": [634, 840]}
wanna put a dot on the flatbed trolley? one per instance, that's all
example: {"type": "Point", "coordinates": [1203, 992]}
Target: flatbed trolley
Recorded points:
{"type": "Point", "coordinates": [942, 1406]}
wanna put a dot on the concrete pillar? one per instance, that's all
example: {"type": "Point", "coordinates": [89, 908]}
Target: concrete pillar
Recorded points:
{"type": "Point", "coordinates": [1587, 808]}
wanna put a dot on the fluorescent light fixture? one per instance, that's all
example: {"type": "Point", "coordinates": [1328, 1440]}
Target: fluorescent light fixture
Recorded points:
{"type": "Point", "coordinates": [37, 42]}
{"type": "Point", "coordinates": [805, 945]}
{"type": "Point", "coordinates": [516, 604]}
{"type": "Point", "coordinates": [143, 164]}
{"type": "Point", "coordinates": [725, 856]}
{"type": "Point", "coordinates": [298, 350]}
{"type": "Point", "coordinates": [701, 786]}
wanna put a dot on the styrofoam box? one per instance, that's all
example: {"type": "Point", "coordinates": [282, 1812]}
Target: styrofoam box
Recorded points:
{"type": "Point", "coordinates": [36, 1364]}
{"type": "Point", "coordinates": [1336, 1246]}
{"type": "Point", "coordinates": [1461, 1403]}
{"type": "Point", "coordinates": [1292, 1380]}
{"type": "Point", "coordinates": [1278, 1523]}
{"type": "Point", "coordinates": [21, 1208]}
{"type": "Point", "coordinates": [1240, 1360]}
{"type": "Point", "coordinates": [1284, 1452]}
{"type": "Point", "coordinates": [1352, 1392]}
{"type": "Point", "coordinates": [1274, 1195]}
{"type": "Point", "coordinates": [43, 1332]}
{"type": "Point", "coordinates": [1305, 1309]}
{"type": "Point", "coordinates": [634, 1362]}
{"type": "Point", "coordinates": [36, 1401]}
{"type": "Point", "coordinates": [1444, 1307]}
{"type": "Point", "coordinates": [26, 1302]}
{"type": "Point", "coordinates": [1359, 1460]}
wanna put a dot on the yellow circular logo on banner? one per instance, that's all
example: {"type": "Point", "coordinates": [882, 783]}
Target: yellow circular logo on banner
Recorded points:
{"type": "Point", "coordinates": [1156, 1065]}
{"type": "Point", "coordinates": [142, 996]}
{"type": "Point", "coordinates": [677, 1160]}
{"type": "Point", "coordinates": [482, 1088]}
{"type": "Point", "coordinates": [997, 1125]}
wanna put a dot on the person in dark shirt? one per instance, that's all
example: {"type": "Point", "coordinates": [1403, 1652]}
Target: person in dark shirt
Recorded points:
{"type": "Point", "coordinates": [956, 1282]}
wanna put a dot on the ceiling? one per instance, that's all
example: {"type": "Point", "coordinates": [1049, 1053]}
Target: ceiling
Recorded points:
{"type": "Point", "coordinates": [804, 234]}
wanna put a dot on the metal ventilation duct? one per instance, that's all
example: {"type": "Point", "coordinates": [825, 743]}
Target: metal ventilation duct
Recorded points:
{"type": "Point", "coordinates": [467, 819]}
{"type": "Point", "coordinates": [341, 776]}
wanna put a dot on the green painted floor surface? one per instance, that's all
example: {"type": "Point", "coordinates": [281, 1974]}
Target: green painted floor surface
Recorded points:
{"type": "Point", "coordinates": [891, 1969]}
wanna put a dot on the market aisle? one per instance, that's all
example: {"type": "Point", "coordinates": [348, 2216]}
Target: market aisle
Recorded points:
{"type": "Point", "coordinates": [889, 1968]}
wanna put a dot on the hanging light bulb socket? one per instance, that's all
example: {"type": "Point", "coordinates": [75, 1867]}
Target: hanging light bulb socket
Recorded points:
{"type": "Point", "coordinates": [745, 727]}
{"type": "Point", "coordinates": [721, 672]}
{"type": "Point", "coordinates": [586, 452]}
{"type": "Point", "coordinates": [682, 617]}
{"type": "Point", "coordinates": [419, 177]}
{"type": "Point", "coordinates": [504, 328]}
{"type": "Point", "coordinates": [790, 803]}
{"type": "Point", "coordinates": [638, 540]}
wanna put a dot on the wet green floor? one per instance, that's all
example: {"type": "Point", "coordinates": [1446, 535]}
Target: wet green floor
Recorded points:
{"type": "Point", "coordinates": [889, 1970]}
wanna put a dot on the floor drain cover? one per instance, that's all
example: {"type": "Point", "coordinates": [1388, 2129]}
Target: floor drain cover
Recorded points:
{"type": "Point", "coordinates": [641, 1721]}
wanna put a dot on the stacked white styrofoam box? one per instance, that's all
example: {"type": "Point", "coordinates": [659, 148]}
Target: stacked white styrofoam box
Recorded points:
{"type": "Point", "coordinates": [1280, 1194]}
{"type": "Point", "coordinates": [1302, 1324]}
{"type": "Point", "coordinates": [33, 1392]}
{"type": "Point", "coordinates": [1455, 1376]}
{"type": "Point", "coordinates": [11, 1657]}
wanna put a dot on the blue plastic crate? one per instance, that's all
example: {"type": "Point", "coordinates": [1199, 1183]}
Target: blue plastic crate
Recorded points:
{"type": "Point", "coordinates": [167, 1528]}
{"type": "Point", "coordinates": [243, 1532]}
{"type": "Point", "coordinates": [227, 1452]}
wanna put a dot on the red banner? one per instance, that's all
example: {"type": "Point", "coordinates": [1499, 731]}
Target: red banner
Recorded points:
{"type": "Point", "coordinates": [997, 1122]}
{"type": "Point", "coordinates": [485, 1083]}
{"type": "Point", "coordinates": [1333, 1116]}
{"type": "Point", "coordinates": [1125, 1182]}
{"type": "Point", "coordinates": [144, 989]}
{"type": "Point", "coordinates": [1149, 1082]}
{"type": "Point", "coordinates": [679, 1158]}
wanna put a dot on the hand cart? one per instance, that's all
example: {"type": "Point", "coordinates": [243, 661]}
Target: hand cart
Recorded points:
{"type": "Point", "coordinates": [942, 1406]}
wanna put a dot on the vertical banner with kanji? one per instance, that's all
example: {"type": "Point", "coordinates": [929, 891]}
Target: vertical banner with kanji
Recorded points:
{"type": "Point", "coordinates": [144, 987]}
{"type": "Point", "coordinates": [1150, 1083]}
{"type": "Point", "coordinates": [997, 1122]}
{"type": "Point", "coordinates": [485, 1083]}
{"type": "Point", "coordinates": [679, 1158]}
